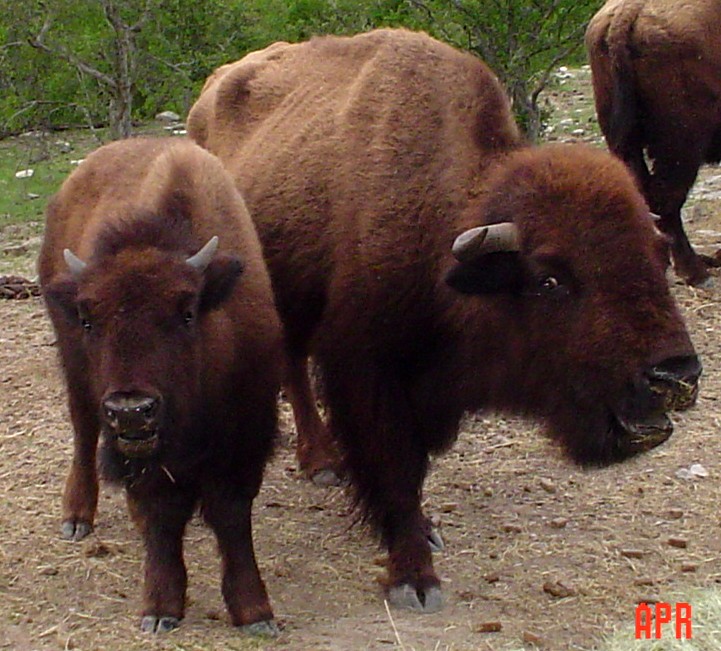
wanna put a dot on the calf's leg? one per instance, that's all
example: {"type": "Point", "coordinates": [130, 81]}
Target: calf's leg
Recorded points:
{"type": "Point", "coordinates": [161, 516]}
{"type": "Point", "coordinates": [80, 497]}
{"type": "Point", "coordinates": [229, 515]}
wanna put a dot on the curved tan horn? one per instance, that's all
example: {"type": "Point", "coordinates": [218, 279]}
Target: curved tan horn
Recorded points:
{"type": "Point", "coordinates": [481, 240]}
{"type": "Point", "coordinates": [202, 258]}
{"type": "Point", "coordinates": [75, 264]}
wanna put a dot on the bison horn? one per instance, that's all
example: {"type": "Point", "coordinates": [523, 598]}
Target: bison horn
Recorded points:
{"type": "Point", "coordinates": [486, 239]}
{"type": "Point", "coordinates": [202, 258]}
{"type": "Point", "coordinates": [75, 264]}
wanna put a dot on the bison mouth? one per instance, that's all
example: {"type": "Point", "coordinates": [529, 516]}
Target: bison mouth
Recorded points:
{"type": "Point", "coordinates": [633, 436]}
{"type": "Point", "coordinates": [142, 444]}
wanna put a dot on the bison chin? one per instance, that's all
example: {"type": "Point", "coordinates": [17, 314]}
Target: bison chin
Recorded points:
{"type": "Point", "coordinates": [609, 436]}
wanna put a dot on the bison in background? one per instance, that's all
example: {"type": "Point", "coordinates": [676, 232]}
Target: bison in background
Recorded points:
{"type": "Point", "coordinates": [171, 346]}
{"type": "Point", "coordinates": [433, 264]}
{"type": "Point", "coordinates": [656, 68]}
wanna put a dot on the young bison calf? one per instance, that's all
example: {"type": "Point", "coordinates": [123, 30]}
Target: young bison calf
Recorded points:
{"type": "Point", "coordinates": [155, 283]}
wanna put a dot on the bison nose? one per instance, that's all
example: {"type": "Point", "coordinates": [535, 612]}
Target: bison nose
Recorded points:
{"type": "Point", "coordinates": [676, 381]}
{"type": "Point", "coordinates": [132, 414]}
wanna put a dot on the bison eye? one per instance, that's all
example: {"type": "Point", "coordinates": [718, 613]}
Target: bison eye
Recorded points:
{"type": "Point", "coordinates": [549, 284]}
{"type": "Point", "coordinates": [86, 325]}
{"type": "Point", "coordinates": [188, 317]}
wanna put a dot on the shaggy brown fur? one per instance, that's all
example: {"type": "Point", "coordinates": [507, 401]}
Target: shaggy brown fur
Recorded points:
{"type": "Point", "coordinates": [657, 79]}
{"type": "Point", "coordinates": [198, 349]}
{"type": "Point", "coordinates": [363, 159]}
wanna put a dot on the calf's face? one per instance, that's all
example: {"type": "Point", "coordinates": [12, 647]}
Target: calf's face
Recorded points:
{"type": "Point", "coordinates": [137, 317]}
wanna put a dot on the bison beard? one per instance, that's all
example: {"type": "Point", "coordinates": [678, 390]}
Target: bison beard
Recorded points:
{"type": "Point", "coordinates": [387, 148]}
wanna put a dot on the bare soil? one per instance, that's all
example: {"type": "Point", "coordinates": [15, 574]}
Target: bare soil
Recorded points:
{"type": "Point", "coordinates": [556, 555]}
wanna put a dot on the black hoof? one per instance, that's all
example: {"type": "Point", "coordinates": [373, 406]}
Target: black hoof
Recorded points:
{"type": "Point", "coordinates": [267, 628]}
{"type": "Point", "coordinates": [435, 542]}
{"type": "Point", "coordinates": [153, 624]}
{"type": "Point", "coordinates": [75, 530]}
{"type": "Point", "coordinates": [428, 600]}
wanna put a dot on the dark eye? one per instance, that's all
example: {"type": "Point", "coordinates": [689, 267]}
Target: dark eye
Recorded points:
{"type": "Point", "coordinates": [549, 284]}
{"type": "Point", "coordinates": [188, 317]}
{"type": "Point", "coordinates": [86, 325]}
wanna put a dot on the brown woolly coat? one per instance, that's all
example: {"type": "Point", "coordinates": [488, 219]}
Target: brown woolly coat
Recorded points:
{"type": "Point", "coordinates": [657, 80]}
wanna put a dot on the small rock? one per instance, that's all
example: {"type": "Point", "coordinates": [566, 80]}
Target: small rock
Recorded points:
{"type": "Point", "coordinates": [558, 523]}
{"type": "Point", "coordinates": [644, 581]}
{"type": "Point", "coordinates": [689, 567]}
{"type": "Point", "coordinates": [680, 543]}
{"type": "Point", "coordinates": [96, 549]}
{"type": "Point", "coordinates": [492, 577]}
{"type": "Point", "coordinates": [532, 638]}
{"type": "Point", "coordinates": [24, 174]}
{"type": "Point", "coordinates": [547, 485]}
{"type": "Point", "coordinates": [167, 116]}
{"type": "Point", "coordinates": [489, 627]}
{"type": "Point", "coordinates": [633, 553]}
{"type": "Point", "coordinates": [558, 589]}
{"type": "Point", "coordinates": [49, 571]}
{"type": "Point", "coordinates": [675, 514]}
{"type": "Point", "coordinates": [694, 471]}
{"type": "Point", "coordinates": [510, 527]}
{"type": "Point", "coordinates": [449, 507]}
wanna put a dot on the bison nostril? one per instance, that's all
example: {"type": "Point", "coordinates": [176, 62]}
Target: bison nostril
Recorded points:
{"type": "Point", "coordinates": [682, 369]}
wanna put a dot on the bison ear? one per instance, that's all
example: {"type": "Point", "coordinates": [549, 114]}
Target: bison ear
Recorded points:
{"type": "Point", "coordinates": [61, 298]}
{"type": "Point", "coordinates": [488, 274]}
{"type": "Point", "coordinates": [220, 278]}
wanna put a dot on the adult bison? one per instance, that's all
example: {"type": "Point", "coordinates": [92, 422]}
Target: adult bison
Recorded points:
{"type": "Point", "coordinates": [656, 68]}
{"type": "Point", "coordinates": [433, 264]}
{"type": "Point", "coordinates": [155, 283]}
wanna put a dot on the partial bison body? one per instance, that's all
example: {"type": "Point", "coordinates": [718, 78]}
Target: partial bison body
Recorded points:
{"type": "Point", "coordinates": [433, 264]}
{"type": "Point", "coordinates": [171, 346]}
{"type": "Point", "coordinates": [656, 68]}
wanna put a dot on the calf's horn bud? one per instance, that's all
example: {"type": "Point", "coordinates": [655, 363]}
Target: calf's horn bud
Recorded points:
{"type": "Point", "coordinates": [75, 264]}
{"type": "Point", "coordinates": [202, 258]}
{"type": "Point", "coordinates": [482, 240]}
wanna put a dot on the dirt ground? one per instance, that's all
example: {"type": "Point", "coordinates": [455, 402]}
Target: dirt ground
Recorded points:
{"type": "Point", "coordinates": [514, 515]}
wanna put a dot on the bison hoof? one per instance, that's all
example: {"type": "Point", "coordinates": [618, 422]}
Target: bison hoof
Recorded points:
{"type": "Point", "coordinates": [326, 478]}
{"type": "Point", "coordinates": [267, 628]}
{"type": "Point", "coordinates": [75, 529]}
{"type": "Point", "coordinates": [153, 624]}
{"type": "Point", "coordinates": [435, 542]}
{"type": "Point", "coordinates": [428, 600]}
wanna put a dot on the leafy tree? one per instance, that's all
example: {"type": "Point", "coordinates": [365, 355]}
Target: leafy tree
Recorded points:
{"type": "Point", "coordinates": [521, 40]}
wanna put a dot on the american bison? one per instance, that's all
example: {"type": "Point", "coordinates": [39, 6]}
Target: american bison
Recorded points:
{"type": "Point", "coordinates": [656, 68]}
{"type": "Point", "coordinates": [171, 346]}
{"type": "Point", "coordinates": [433, 264]}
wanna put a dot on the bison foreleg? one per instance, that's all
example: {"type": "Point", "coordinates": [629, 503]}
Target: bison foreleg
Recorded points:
{"type": "Point", "coordinates": [161, 518]}
{"type": "Point", "coordinates": [229, 515]}
{"type": "Point", "coordinates": [80, 497]}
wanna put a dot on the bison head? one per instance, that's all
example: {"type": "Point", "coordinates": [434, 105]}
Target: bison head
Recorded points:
{"type": "Point", "coordinates": [138, 319]}
{"type": "Point", "coordinates": [569, 274]}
